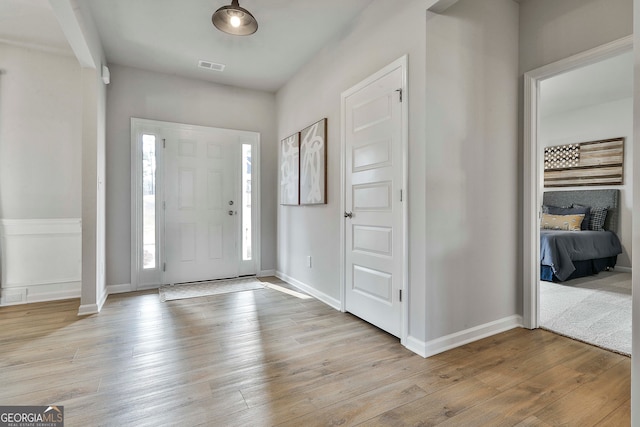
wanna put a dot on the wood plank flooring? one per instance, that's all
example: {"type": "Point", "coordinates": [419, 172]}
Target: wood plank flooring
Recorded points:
{"type": "Point", "coordinates": [263, 358]}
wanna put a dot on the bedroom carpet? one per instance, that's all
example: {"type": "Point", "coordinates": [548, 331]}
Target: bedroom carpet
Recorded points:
{"type": "Point", "coordinates": [201, 289]}
{"type": "Point", "coordinates": [595, 309]}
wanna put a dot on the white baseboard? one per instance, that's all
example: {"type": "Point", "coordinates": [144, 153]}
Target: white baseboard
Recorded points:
{"type": "Point", "coordinates": [102, 299]}
{"type": "Point", "coordinates": [266, 273]}
{"type": "Point", "coordinates": [622, 269]}
{"type": "Point", "coordinates": [147, 286]}
{"type": "Point", "coordinates": [88, 309]}
{"type": "Point", "coordinates": [40, 293]}
{"type": "Point", "coordinates": [321, 296]}
{"type": "Point", "coordinates": [54, 295]}
{"type": "Point", "coordinates": [442, 344]}
{"type": "Point", "coordinates": [119, 289]}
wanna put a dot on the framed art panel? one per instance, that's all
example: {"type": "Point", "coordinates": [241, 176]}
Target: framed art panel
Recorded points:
{"type": "Point", "coordinates": [290, 170]}
{"type": "Point", "coordinates": [313, 164]}
{"type": "Point", "coordinates": [585, 163]}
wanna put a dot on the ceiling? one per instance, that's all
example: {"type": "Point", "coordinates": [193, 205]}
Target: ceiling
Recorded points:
{"type": "Point", "coordinates": [604, 81]}
{"type": "Point", "coordinates": [171, 36]}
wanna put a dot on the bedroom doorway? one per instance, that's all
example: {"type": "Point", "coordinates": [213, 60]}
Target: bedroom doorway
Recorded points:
{"type": "Point", "coordinates": [195, 203]}
{"type": "Point", "coordinates": [553, 117]}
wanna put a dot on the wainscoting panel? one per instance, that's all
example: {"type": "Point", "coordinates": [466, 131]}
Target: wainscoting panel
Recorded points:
{"type": "Point", "coordinates": [41, 259]}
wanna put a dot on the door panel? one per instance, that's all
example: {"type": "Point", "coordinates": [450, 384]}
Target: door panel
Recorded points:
{"type": "Point", "coordinates": [374, 179]}
{"type": "Point", "coordinates": [201, 213]}
{"type": "Point", "coordinates": [373, 240]}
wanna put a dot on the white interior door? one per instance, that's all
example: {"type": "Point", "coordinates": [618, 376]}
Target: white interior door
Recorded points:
{"type": "Point", "coordinates": [374, 218]}
{"type": "Point", "coordinates": [202, 206]}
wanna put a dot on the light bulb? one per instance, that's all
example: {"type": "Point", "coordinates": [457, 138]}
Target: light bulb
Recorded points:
{"type": "Point", "coordinates": [234, 21]}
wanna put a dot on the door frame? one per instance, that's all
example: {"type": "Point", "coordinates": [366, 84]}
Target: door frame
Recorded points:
{"type": "Point", "coordinates": [153, 278]}
{"type": "Point", "coordinates": [532, 179]}
{"type": "Point", "coordinates": [401, 63]}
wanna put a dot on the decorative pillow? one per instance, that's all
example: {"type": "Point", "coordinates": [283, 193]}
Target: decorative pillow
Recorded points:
{"type": "Point", "coordinates": [598, 216]}
{"type": "Point", "coordinates": [578, 209]}
{"type": "Point", "coordinates": [561, 222]}
{"type": "Point", "coordinates": [587, 215]}
{"type": "Point", "coordinates": [573, 210]}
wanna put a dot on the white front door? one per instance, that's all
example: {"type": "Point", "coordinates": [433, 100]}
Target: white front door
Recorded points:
{"type": "Point", "coordinates": [374, 214]}
{"type": "Point", "coordinates": [202, 205]}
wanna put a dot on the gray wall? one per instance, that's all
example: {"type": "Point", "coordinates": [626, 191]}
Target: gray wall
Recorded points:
{"type": "Point", "coordinates": [314, 93]}
{"type": "Point", "coordinates": [635, 257]}
{"type": "Point", "coordinates": [154, 96]}
{"type": "Point", "coordinates": [463, 196]}
{"type": "Point", "coordinates": [472, 267]}
{"type": "Point", "coordinates": [551, 30]}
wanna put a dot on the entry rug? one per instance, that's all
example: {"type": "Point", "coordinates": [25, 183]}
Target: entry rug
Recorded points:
{"type": "Point", "coordinates": [594, 309]}
{"type": "Point", "coordinates": [201, 289]}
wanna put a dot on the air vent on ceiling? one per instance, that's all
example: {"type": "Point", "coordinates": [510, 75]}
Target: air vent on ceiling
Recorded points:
{"type": "Point", "coordinates": [208, 65]}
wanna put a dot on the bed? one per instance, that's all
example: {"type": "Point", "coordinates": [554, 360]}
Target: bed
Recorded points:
{"type": "Point", "coordinates": [591, 246]}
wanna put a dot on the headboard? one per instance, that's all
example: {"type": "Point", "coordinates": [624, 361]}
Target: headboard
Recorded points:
{"type": "Point", "coordinates": [594, 198]}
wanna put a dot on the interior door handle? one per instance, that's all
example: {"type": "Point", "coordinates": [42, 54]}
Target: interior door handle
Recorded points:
{"type": "Point", "coordinates": [348, 214]}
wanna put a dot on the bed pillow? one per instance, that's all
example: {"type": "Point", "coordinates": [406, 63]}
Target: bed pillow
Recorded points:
{"type": "Point", "coordinates": [561, 222]}
{"type": "Point", "coordinates": [598, 217]}
{"type": "Point", "coordinates": [573, 210]}
{"type": "Point", "coordinates": [587, 216]}
{"type": "Point", "coordinates": [545, 208]}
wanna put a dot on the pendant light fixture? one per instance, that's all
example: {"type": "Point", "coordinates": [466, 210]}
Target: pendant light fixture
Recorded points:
{"type": "Point", "coordinates": [234, 20]}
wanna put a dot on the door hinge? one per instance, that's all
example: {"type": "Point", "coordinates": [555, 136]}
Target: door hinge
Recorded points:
{"type": "Point", "coordinates": [400, 93]}
{"type": "Point", "coordinates": [164, 266]}
{"type": "Point", "coordinates": [400, 195]}
{"type": "Point", "coordinates": [164, 143]}
{"type": "Point", "coordinates": [400, 294]}
{"type": "Point", "coordinates": [164, 205]}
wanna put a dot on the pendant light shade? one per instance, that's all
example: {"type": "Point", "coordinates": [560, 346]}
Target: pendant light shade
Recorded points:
{"type": "Point", "coordinates": [235, 20]}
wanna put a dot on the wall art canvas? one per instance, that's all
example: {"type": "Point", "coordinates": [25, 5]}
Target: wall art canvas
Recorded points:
{"type": "Point", "coordinates": [313, 164]}
{"type": "Point", "coordinates": [289, 170]}
{"type": "Point", "coordinates": [585, 163]}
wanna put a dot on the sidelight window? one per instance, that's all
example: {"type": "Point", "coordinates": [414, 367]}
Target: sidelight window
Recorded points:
{"type": "Point", "coordinates": [149, 201]}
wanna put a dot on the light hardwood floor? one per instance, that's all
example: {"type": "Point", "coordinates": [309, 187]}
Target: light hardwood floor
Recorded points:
{"type": "Point", "coordinates": [259, 358]}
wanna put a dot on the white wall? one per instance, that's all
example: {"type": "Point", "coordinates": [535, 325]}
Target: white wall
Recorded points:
{"type": "Point", "coordinates": [609, 120]}
{"type": "Point", "coordinates": [40, 175]}
{"type": "Point", "coordinates": [78, 26]}
{"type": "Point", "coordinates": [148, 95]}
{"type": "Point", "coordinates": [40, 128]}
{"type": "Point", "coordinates": [41, 259]}
{"type": "Point", "coordinates": [463, 163]}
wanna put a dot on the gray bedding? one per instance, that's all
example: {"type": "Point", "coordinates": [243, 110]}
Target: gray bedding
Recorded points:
{"type": "Point", "coordinates": [559, 248]}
